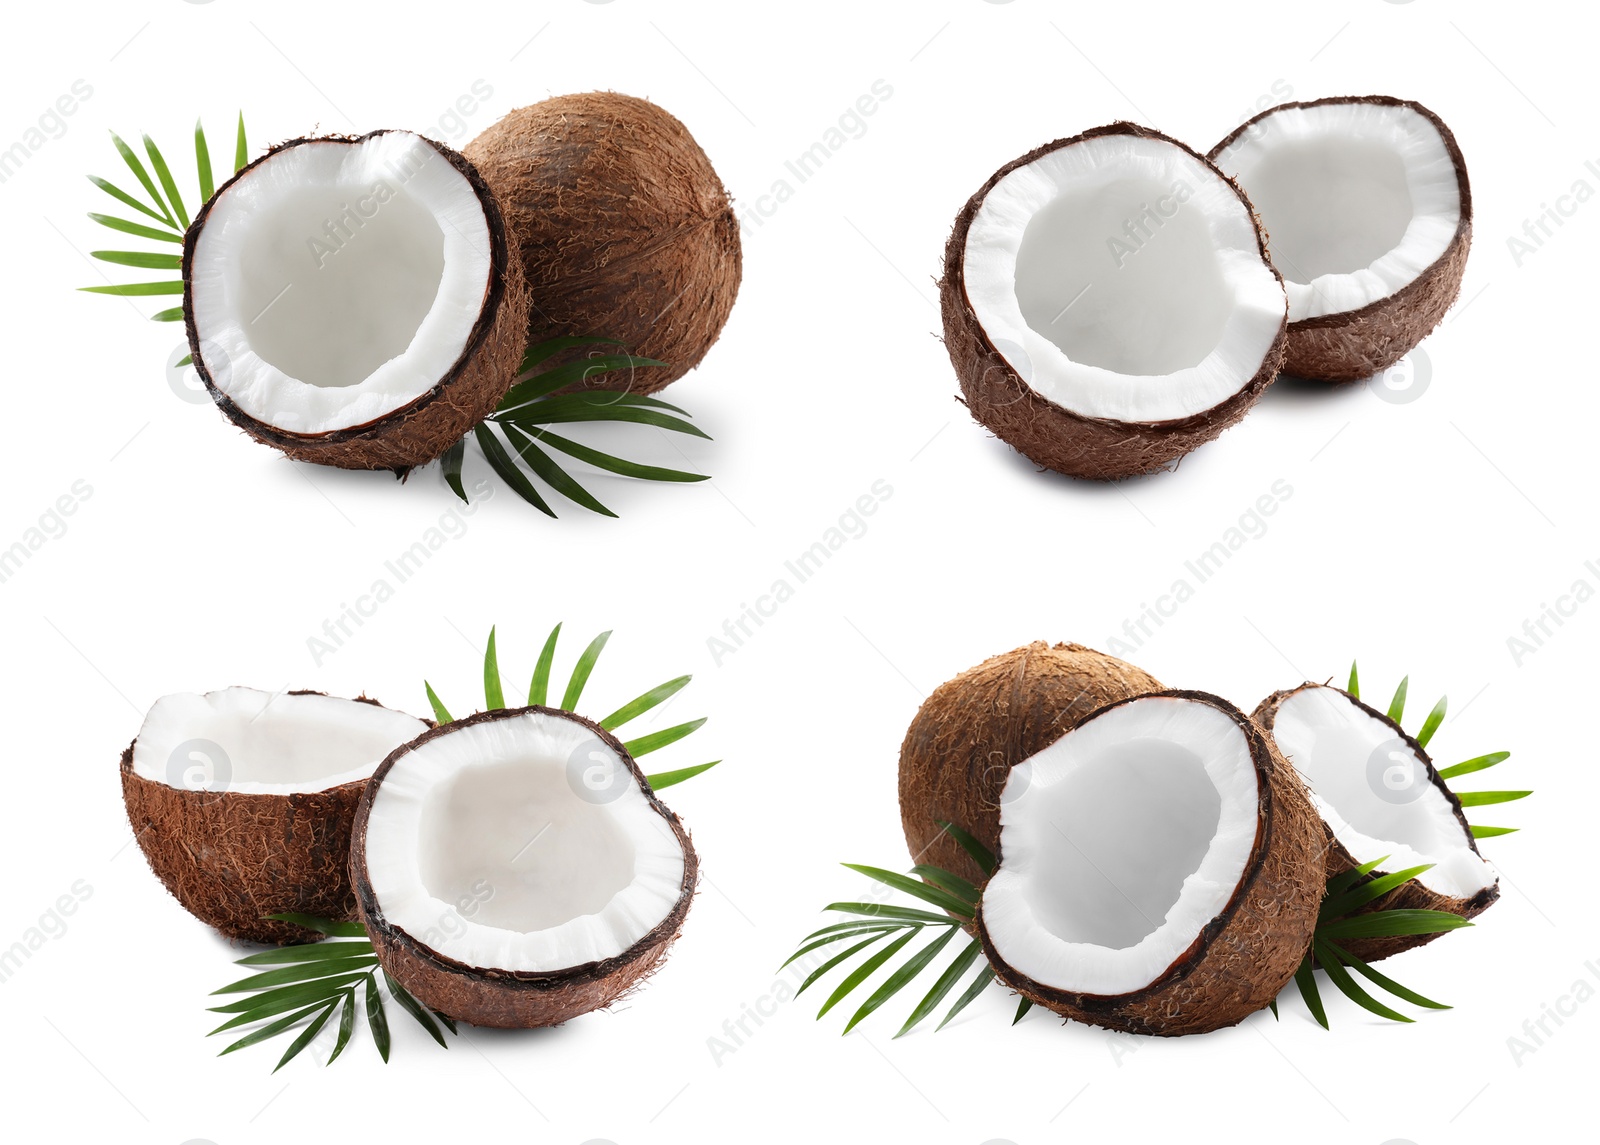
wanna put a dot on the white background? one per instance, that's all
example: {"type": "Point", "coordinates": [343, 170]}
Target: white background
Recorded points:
{"type": "Point", "coordinates": [1419, 536]}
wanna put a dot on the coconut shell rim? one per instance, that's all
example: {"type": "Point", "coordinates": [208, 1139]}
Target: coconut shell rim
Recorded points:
{"type": "Point", "coordinates": [1470, 906]}
{"type": "Point", "coordinates": [1194, 955]}
{"type": "Point", "coordinates": [1422, 279]}
{"type": "Point", "coordinates": [532, 982]}
{"type": "Point", "coordinates": [488, 311]}
{"type": "Point", "coordinates": [955, 262]}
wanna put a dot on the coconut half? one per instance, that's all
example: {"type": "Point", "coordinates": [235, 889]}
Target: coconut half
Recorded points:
{"type": "Point", "coordinates": [1108, 304]}
{"type": "Point", "coordinates": [1160, 869]}
{"type": "Point", "coordinates": [1366, 203]}
{"type": "Point", "coordinates": [972, 730]}
{"type": "Point", "coordinates": [514, 868]}
{"type": "Point", "coordinates": [622, 226]}
{"type": "Point", "coordinates": [243, 801]}
{"type": "Point", "coordinates": [351, 300]}
{"type": "Point", "coordinates": [1379, 795]}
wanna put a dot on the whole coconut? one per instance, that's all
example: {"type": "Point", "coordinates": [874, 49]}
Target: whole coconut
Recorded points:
{"type": "Point", "coordinates": [623, 228]}
{"type": "Point", "coordinates": [969, 733]}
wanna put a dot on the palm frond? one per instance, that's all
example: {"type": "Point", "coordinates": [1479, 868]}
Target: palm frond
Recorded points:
{"type": "Point", "coordinates": [577, 681]}
{"type": "Point", "coordinates": [308, 983]}
{"type": "Point", "coordinates": [542, 396]}
{"type": "Point", "coordinates": [873, 923]}
{"type": "Point", "coordinates": [163, 202]}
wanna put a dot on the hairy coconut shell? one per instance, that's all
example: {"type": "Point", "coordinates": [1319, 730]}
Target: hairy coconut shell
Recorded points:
{"type": "Point", "coordinates": [1246, 955]}
{"type": "Point", "coordinates": [503, 998]}
{"type": "Point", "coordinates": [1048, 434]}
{"type": "Point", "coordinates": [623, 229]}
{"type": "Point", "coordinates": [420, 431]}
{"type": "Point", "coordinates": [1356, 344]}
{"type": "Point", "coordinates": [1410, 895]}
{"type": "Point", "coordinates": [231, 858]}
{"type": "Point", "coordinates": [968, 734]}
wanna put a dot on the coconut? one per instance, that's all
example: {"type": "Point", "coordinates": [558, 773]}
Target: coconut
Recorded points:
{"type": "Point", "coordinates": [353, 301]}
{"type": "Point", "coordinates": [623, 228]}
{"type": "Point", "coordinates": [243, 801]}
{"type": "Point", "coordinates": [969, 733]}
{"type": "Point", "coordinates": [1380, 798]}
{"type": "Point", "coordinates": [1160, 869]}
{"type": "Point", "coordinates": [1108, 304]}
{"type": "Point", "coordinates": [515, 869]}
{"type": "Point", "coordinates": [1366, 203]}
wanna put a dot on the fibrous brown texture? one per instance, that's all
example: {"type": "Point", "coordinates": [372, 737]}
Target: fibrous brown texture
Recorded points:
{"type": "Point", "coordinates": [623, 228]}
{"type": "Point", "coordinates": [1410, 895]}
{"type": "Point", "coordinates": [487, 996]}
{"type": "Point", "coordinates": [972, 730]}
{"type": "Point", "coordinates": [232, 858]}
{"type": "Point", "coordinates": [1046, 433]}
{"type": "Point", "coordinates": [1247, 954]}
{"type": "Point", "coordinates": [422, 430]}
{"type": "Point", "coordinates": [1356, 344]}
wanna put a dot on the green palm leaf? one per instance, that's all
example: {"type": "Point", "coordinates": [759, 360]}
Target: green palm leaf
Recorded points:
{"type": "Point", "coordinates": [943, 985]}
{"type": "Point", "coordinates": [581, 671]}
{"type": "Point", "coordinates": [979, 853]}
{"type": "Point", "coordinates": [639, 705]}
{"type": "Point", "coordinates": [1477, 763]}
{"type": "Point", "coordinates": [1431, 724]}
{"type": "Point", "coordinates": [165, 206]}
{"type": "Point", "coordinates": [1397, 706]}
{"type": "Point", "coordinates": [543, 396]}
{"type": "Point", "coordinates": [539, 688]}
{"type": "Point", "coordinates": [493, 696]}
{"type": "Point", "coordinates": [979, 983]}
{"type": "Point", "coordinates": [663, 779]}
{"type": "Point", "coordinates": [916, 889]}
{"type": "Point", "coordinates": [901, 977]}
{"type": "Point", "coordinates": [655, 741]}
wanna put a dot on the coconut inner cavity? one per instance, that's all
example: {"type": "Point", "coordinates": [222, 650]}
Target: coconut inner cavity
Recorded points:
{"type": "Point", "coordinates": [1120, 842]}
{"type": "Point", "coordinates": [1098, 270]}
{"type": "Point", "coordinates": [336, 282]}
{"type": "Point", "coordinates": [1335, 206]}
{"type": "Point", "coordinates": [548, 857]}
{"type": "Point", "coordinates": [521, 843]}
{"type": "Point", "coordinates": [378, 266]}
{"type": "Point", "coordinates": [1129, 826]}
{"type": "Point", "coordinates": [1374, 791]}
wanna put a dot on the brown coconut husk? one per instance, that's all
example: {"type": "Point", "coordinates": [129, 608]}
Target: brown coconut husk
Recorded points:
{"type": "Point", "coordinates": [1050, 435]}
{"type": "Point", "coordinates": [972, 730]}
{"type": "Point", "coordinates": [232, 858]}
{"type": "Point", "coordinates": [422, 430]}
{"type": "Point", "coordinates": [485, 996]}
{"type": "Point", "coordinates": [1240, 962]}
{"type": "Point", "coordinates": [1357, 344]}
{"type": "Point", "coordinates": [1410, 895]}
{"type": "Point", "coordinates": [622, 226]}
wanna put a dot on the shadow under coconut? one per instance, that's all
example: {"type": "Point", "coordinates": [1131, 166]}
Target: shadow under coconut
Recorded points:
{"type": "Point", "coordinates": [1290, 390]}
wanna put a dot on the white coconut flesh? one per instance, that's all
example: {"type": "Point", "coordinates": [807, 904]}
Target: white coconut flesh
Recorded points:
{"type": "Point", "coordinates": [266, 743]}
{"type": "Point", "coordinates": [1357, 199]}
{"type": "Point", "coordinates": [1120, 842]}
{"type": "Point", "coordinates": [335, 283]}
{"type": "Point", "coordinates": [1374, 793]}
{"type": "Point", "coordinates": [521, 844]}
{"type": "Point", "coordinates": [1121, 278]}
